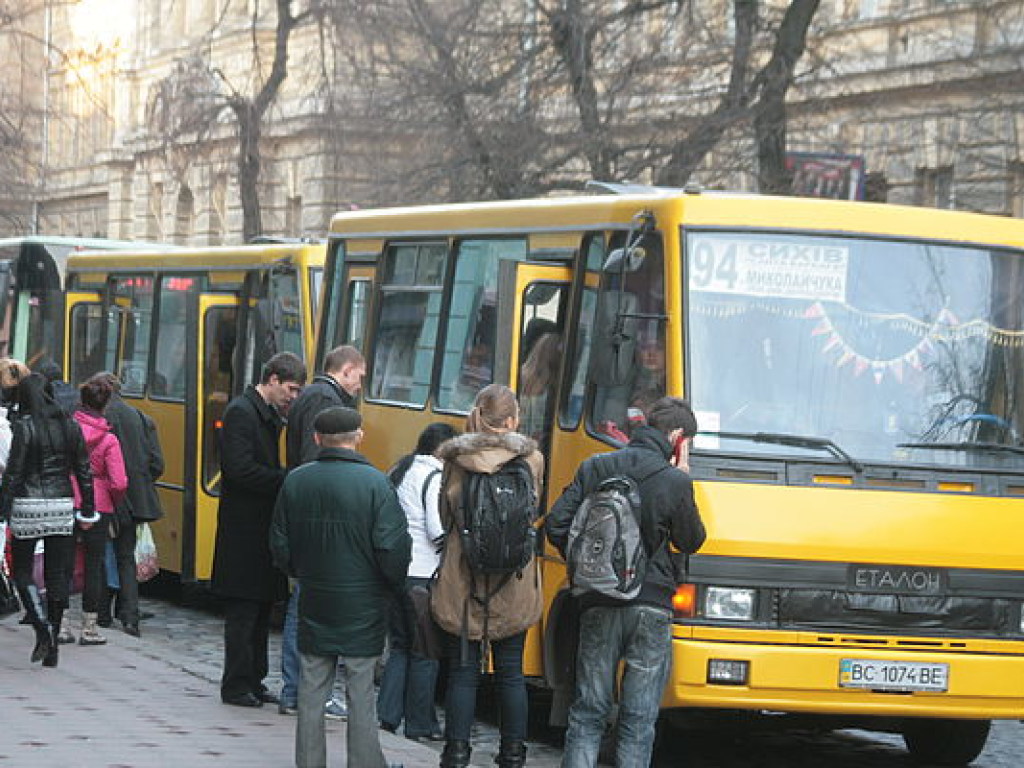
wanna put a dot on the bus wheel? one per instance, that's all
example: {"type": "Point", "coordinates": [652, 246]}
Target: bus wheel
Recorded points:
{"type": "Point", "coordinates": [945, 742]}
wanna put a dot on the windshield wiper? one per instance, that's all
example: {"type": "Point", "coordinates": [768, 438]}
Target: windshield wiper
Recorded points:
{"type": "Point", "coordinates": [966, 446]}
{"type": "Point", "coordinates": [795, 441]}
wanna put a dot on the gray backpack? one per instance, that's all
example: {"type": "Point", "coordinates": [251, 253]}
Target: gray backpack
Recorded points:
{"type": "Point", "coordinates": [605, 551]}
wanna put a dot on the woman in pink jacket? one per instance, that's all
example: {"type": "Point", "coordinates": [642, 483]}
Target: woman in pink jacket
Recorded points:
{"type": "Point", "coordinates": [109, 482]}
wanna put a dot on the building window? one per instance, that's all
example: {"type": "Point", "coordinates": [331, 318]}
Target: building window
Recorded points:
{"type": "Point", "coordinates": [935, 187]}
{"type": "Point", "coordinates": [1016, 190]}
{"type": "Point", "coordinates": [293, 216]}
{"type": "Point", "coordinates": [183, 216]}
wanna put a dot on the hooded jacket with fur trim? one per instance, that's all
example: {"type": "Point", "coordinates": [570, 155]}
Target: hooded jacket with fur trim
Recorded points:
{"type": "Point", "coordinates": [518, 604]}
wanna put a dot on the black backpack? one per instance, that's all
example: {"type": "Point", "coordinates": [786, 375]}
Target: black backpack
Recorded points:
{"type": "Point", "coordinates": [498, 512]}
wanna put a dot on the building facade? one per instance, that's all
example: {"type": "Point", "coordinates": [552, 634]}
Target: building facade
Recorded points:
{"type": "Point", "coordinates": [131, 133]}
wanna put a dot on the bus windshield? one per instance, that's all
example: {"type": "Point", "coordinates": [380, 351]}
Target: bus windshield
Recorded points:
{"type": "Point", "coordinates": [895, 351]}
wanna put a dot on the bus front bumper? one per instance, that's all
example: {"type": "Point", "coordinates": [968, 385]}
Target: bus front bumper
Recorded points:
{"type": "Point", "coordinates": [806, 678]}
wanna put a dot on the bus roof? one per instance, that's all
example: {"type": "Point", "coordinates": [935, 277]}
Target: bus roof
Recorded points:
{"type": "Point", "coordinates": [696, 209]}
{"type": "Point", "coordinates": [82, 243]}
{"type": "Point", "coordinates": [222, 257]}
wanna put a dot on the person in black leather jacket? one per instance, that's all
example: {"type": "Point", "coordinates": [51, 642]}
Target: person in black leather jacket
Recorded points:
{"type": "Point", "coordinates": [46, 450]}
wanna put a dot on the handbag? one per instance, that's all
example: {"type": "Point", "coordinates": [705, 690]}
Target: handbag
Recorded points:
{"type": "Point", "coordinates": [146, 563]}
{"type": "Point", "coordinates": [8, 597]}
{"type": "Point", "coordinates": [34, 518]}
{"type": "Point", "coordinates": [427, 637]}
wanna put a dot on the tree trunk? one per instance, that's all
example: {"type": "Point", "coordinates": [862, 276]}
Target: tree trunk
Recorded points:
{"type": "Point", "coordinates": [249, 131]}
{"type": "Point", "coordinates": [773, 178]}
{"type": "Point", "coordinates": [687, 154]}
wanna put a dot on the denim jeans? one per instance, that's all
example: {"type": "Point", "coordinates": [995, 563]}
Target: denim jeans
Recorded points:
{"type": "Point", "coordinates": [124, 573]}
{"type": "Point", "coordinates": [641, 637]}
{"type": "Point", "coordinates": [407, 685]}
{"type": "Point", "coordinates": [290, 656]}
{"type": "Point", "coordinates": [464, 678]}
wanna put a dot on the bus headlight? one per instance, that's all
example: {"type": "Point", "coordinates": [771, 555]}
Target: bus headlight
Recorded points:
{"type": "Point", "coordinates": [729, 603]}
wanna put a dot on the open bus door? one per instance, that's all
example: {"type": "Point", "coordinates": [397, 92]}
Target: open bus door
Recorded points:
{"type": "Point", "coordinates": [218, 339]}
{"type": "Point", "coordinates": [537, 320]}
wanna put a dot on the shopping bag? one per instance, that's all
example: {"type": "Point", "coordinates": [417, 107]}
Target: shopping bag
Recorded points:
{"type": "Point", "coordinates": [8, 595]}
{"type": "Point", "coordinates": [146, 564]}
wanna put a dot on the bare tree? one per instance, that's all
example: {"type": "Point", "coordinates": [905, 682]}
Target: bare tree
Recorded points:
{"type": "Point", "coordinates": [773, 82]}
{"type": "Point", "coordinates": [516, 102]}
{"type": "Point", "coordinates": [188, 104]}
{"type": "Point", "coordinates": [22, 58]}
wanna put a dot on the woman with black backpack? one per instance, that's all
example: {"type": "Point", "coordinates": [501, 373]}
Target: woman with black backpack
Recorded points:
{"type": "Point", "coordinates": [488, 590]}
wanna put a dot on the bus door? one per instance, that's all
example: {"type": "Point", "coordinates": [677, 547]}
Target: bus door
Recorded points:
{"type": "Point", "coordinates": [542, 293]}
{"type": "Point", "coordinates": [92, 344]}
{"type": "Point", "coordinates": [218, 337]}
{"type": "Point", "coordinates": [538, 325]}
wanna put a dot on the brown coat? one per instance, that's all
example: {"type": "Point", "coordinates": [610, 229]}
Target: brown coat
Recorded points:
{"type": "Point", "coordinates": [517, 605]}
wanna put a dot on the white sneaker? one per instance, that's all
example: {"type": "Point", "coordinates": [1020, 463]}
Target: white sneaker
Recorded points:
{"type": "Point", "coordinates": [335, 710]}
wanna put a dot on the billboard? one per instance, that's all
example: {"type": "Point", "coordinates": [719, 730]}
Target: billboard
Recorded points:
{"type": "Point", "coordinates": [820, 174]}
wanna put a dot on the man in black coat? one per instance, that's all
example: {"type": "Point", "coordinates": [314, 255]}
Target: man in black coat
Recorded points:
{"type": "Point", "coordinates": [638, 631]}
{"type": "Point", "coordinates": [339, 384]}
{"type": "Point", "coordinates": [243, 571]}
{"type": "Point", "coordinates": [144, 464]}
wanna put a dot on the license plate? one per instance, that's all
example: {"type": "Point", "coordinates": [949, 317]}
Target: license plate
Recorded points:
{"type": "Point", "coordinates": [893, 675]}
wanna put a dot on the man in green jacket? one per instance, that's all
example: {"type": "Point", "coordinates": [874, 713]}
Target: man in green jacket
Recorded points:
{"type": "Point", "coordinates": [338, 528]}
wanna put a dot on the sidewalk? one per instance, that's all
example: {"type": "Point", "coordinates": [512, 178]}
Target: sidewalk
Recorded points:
{"type": "Point", "coordinates": [147, 703]}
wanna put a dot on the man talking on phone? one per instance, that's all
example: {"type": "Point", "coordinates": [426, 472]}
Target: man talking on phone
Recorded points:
{"type": "Point", "coordinates": [637, 631]}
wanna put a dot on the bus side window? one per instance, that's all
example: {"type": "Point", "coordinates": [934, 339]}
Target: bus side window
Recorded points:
{"type": "Point", "coordinates": [218, 383]}
{"type": "Point", "coordinates": [410, 310]}
{"type": "Point", "coordinates": [628, 366]}
{"type": "Point", "coordinates": [470, 343]}
{"type": "Point", "coordinates": [541, 345]}
{"type": "Point", "coordinates": [171, 343]}
{"type": "Point", "coordinates": [357, 303]}
{"type": "Point", "coordinates": [137, 291]}
{"type": "Point", "coordinates": [87, 353]}
{"type": "Point", "coordinates": [572, 408]}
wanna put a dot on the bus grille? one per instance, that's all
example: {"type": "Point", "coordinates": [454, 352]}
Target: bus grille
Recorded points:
{"type": "Point", "coordinates": [832, 611]}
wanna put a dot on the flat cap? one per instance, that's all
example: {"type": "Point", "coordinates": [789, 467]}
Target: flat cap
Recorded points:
{"type": "Point", "coordinates": [337, 421]}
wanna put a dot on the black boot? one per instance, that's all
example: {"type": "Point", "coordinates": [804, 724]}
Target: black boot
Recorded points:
{"type": "Point", "coordinates": [455, 755]}
{"type": "Point", "coordinates": [31, 599]}
{"type": "Point", "coordinates": [54, 614]}
{"type": "Point", "coordinates": [105, 613]}
{"type": "Point", "coordinates": [511, 754]}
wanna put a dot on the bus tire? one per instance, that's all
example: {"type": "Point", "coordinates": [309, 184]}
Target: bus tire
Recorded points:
{"type": "Point", "coordinates": [945, 742]}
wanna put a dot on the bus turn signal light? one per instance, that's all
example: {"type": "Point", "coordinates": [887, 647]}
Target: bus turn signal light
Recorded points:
{"type": "Point", "coordinates": [684, 601]}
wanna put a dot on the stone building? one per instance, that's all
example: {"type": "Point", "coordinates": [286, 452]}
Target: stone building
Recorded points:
{"type": "Point", "coordinates": [926, 93]}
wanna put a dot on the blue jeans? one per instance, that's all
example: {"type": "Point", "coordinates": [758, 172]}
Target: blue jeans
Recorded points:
{"type": "Point", "coordinates": [464, 678]}
{"type": "Point", "coordinates": [290, 652]}
{"type": "Point", "coordinates": [407, 685]}
{"type": "Point", "coordinates": [641, 637]}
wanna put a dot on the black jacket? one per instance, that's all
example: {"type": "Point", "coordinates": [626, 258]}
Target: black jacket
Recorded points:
{"type": "Point", "coordinates": [44, 455]}
{"type": "Point", "coordinates": [251, 476]}
{"type": "Point", "coordinates": [322, 393]}
{"type": "Point", "coordinates": [143, 458]}
{"type": "Point", "coordinates": [668, 511]}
